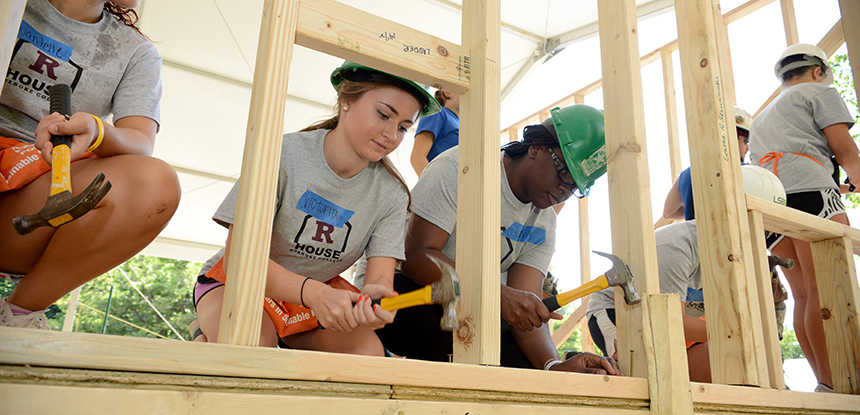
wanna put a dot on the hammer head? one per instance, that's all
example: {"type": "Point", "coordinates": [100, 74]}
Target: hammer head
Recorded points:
{"type": "Point", "coordinates": [446, 292]}
{"type": "Point", "coordinates": [63, 207]}
{"type": "Point", "coordinates": [620, 276]}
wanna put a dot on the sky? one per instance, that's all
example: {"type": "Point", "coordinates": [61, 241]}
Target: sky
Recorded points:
{"type": "Point", "coordinates": [756, 42]}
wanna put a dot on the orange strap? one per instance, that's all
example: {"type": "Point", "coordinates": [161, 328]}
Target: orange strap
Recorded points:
{"type": "Point", "coordinates": [21, 163]}
{"type": "Point", "coordinates": [774, 156]}
{"type": "Point", "coordinates": [289, 318]}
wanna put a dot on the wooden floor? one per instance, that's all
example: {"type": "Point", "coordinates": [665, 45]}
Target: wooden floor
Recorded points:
{"type": "Point", "coordinates": [75, 373]}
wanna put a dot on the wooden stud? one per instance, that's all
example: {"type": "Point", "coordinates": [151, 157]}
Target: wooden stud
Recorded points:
{"type": "Point", "coordinates": [71, 309]}
{"type": "Point", "coordinates": [851, 13]}
{"type": "Point", "coordinates": [344, 31]}
{"type": "Point", "coordinates": [11, 12]}
{"type": "Point", "coordinates": [627, 167]}
{"type": "Point", "coordinates": [744, 10]}
{"type": "Point", "coordinates": [773, 353]}
{"type": "Point", "coordinates": [789, 21]}
{"type": "Point", "coordinates": [735, 337]}
{"type": "Point", "coordinates": [566, 329]}
{"type": "Point", "coordinates": [584, 265]}
{"type": "Point", "coordinates": [801, 225]}
{"type": "Point", "coordinates": [839, 297]}
{"type": "Point", "coordinates": [513, 135]}
{"type": "Point", "coordinates": [252, 232]}
{"type": "Point", "coordinates": [478, 190]}
{"type": "Point", "coordinates": [671, 113]}
{"type": "Point", "coordinates": [668, 374]}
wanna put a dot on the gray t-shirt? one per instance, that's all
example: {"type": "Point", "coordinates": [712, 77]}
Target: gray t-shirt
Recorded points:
{"type": "Point", "coordinates": [323, 223]}
{"type": "Point", "coordinates": [111, 68]}
{"type": "Point", "coordinates": [792, 123]}
{"type": "Point", "coordinates": [677, 267]}
{"type": "Point", "coordinates": [527, 233]}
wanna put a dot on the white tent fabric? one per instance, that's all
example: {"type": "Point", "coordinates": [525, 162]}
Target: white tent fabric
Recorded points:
{"type": "Point", "coordinates": [209, 48]}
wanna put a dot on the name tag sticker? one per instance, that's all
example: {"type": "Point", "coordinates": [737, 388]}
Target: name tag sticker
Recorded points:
{"type": "Point", "coordinates": [50, 46]}
{"type": "Point", "coordinates": [529, 234]}
{"type": "Point", "coordinates": [323, 210]}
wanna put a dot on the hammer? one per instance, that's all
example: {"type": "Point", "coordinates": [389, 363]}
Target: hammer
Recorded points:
{"type": "Point", "coordinates": [445, 292]}
{"type": "Point", "coordinates": [61, 206]}
{"type": "Point", "coordinates": [617, 276]}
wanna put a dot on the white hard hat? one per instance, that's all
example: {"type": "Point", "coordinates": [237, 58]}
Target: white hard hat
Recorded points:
{"type": "Point", "coordinates": [813, 56]}
{"type": "Point", "coordinates": [761, 183]}
{"type": "Point", "coordinates": [742, 119]}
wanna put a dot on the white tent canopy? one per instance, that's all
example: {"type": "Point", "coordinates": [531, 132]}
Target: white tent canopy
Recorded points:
{"type": "Point", "coordinates": [209, 49]}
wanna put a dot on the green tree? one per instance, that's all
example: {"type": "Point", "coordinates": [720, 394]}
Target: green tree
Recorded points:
{"type": "Point", "coordinates": [789, 346]}
{"type": "Point", "coordinates": [167, 283]}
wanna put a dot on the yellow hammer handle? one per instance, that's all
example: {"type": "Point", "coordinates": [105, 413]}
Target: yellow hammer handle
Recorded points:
{"type": "Point", "coordinates": [592, 286]}
{"type": "Point", "coordinates": [61, 178]}
{"type": "Point", "coordinates": [421, 296]}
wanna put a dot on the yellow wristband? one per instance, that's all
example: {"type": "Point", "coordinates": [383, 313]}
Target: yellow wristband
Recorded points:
{"type": "Point", "coordinates": [101, 135]}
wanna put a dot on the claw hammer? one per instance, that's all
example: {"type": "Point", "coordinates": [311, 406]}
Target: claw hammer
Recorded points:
{"type": "Point", "coordinates": [61, 206]}
{"type": "Point", "coordinates": [617, 276]}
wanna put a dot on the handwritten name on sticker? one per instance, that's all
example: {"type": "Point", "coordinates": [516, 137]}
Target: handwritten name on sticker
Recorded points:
{"type": "Point", "coordinates": [323, 210]}
{"type": "Point", "coordinates": [46, 44]}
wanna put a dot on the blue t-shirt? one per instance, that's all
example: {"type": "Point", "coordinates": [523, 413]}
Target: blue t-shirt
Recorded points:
{"type": "Point", "coordinates": [685, 187]}
{"type": "Point", "coordinates": [445, 126]}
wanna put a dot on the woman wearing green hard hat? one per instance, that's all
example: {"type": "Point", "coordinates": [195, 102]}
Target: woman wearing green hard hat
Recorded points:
{"type": "Point", "coordinates": [556, 159]}
{"type": "Point", "coordinates": [338, 197]}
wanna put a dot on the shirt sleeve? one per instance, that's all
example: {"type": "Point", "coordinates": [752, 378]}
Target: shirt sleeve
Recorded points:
{"type": "Point", "coordinates": [433, 124]}
{"type": "Point", "coordinates": [828, 109]}
{"type": "Point", "coordinates": [139, 92]}
{"type": "Point", "coordinates": [387, 237]}
{"type": "Point", "coordinates": [434, 197]}
{"type": "Point", "coordinates": [539, 257]}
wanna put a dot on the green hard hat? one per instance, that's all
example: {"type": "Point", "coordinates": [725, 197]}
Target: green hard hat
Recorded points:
{"type": "Point", "coordinates": [360, 73]}
{"type": "Point", "coordinates": [580, 134]}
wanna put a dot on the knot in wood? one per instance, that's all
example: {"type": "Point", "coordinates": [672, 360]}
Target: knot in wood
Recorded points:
{"type": "Point", "coordinates": [466, 331]}
{"type": "Point", "coordinates": [703, 63]}
{"type": "Point", "coordinates": [328, 25]}
{"type": "Point", "coordinates": [465, 169]}
{"type": "Point", "coordinates": [443, 51]}
{"type": "Point", "coordinates": [732, 257]}
{"type": "Point", "coordinates": [719, 174]}
{"type": "Point", "coordinates": [825, 314]}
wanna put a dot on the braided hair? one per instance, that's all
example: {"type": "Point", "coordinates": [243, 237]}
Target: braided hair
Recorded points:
{"type": "Point", "coordinates": [533, 135]}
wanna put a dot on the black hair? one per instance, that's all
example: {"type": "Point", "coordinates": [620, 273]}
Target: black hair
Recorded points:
{"type": "Point", "coordinates": [533, 135]}
{"type": "Point", "coordinates": [798, 72]}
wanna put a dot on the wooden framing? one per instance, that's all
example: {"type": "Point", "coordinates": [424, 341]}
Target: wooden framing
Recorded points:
{"type": "Point", "coordinates": [627, 168]}
{"type": "Point", "coordinates": [478, 239]}
{"type": "Point", "coordinates": [11, 12]}
{"type": "Point", "coordinates": [851, 13]}
{"type": "Point", "coordinates": [87, 373]}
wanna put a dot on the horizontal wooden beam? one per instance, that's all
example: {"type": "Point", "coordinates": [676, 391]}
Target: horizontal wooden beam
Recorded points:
{"type": "Point", "coordinates": [801, 225]}
{"type": "Point", "coordinates": [356, 35]}
{"type": "Point", "coordinates": [77, 400]}
{"type": "Point", "coordinates": [134, 354]}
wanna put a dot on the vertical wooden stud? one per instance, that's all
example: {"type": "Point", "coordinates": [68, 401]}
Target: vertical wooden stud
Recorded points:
{"type": "Point", "coordinates": [11, 12]}
{"type": "Point", "coordinates": [513, 135]}
{"type": "Point", "coordinates": [839, 297]}
{"type": "Point", "coordinates": [671, 112]}
{"type": "Point", "coordinates": [789, 21]}
{"type": "Point", "coordinates": [627, 167]}
{"type": "Point", "coordinates": [668, 373]}
{"type": "Point", "coordinates": [252, 232]}
{"type": "Point", "coordinates": [850, 17]}
{"type": "Point", "coordinates": [584, 266]}
{"type": "Point", "coordinates": [773, 353]}
{"type": "Point", "coordinates": [735, 335]}
{"type": "Point", "coordinates": [478, 189]}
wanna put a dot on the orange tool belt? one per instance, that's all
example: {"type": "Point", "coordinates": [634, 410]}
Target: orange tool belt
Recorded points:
{"type": "Point", "coordinates": [289, 318]}
{"type": "Point", "coordinates": [21, 163]}
{"type": "Point", "coordinates": [775, 156]}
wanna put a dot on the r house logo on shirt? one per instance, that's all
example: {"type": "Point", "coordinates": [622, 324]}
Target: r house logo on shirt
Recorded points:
{"type": "Point", "coordinates": [38, 61]}
{"type": "Point", "coordinates": [324, 232]}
